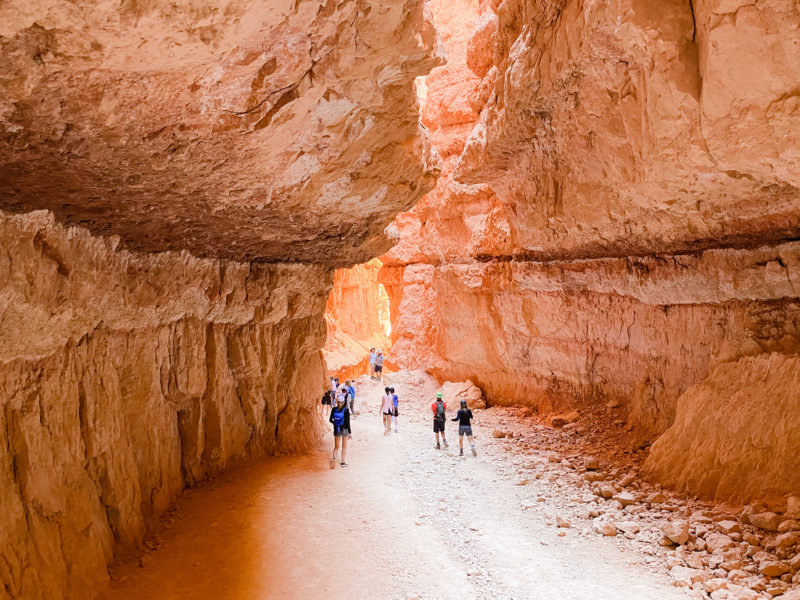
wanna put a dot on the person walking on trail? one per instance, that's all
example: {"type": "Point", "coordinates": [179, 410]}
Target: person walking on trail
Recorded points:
{"type": "Point", "coordinates": [387, 409]}
{"type": "Point", "coordinates": [464, 418]}
{"type": "Point", "coordinates": [372, 356]}
{"type": "Point", "coordinates": [439, 407]}
{"type": "Point", "coordinates": [340, 418]}
{"type": "Point", "coordinates": [351, 387]}
{"type": "Point", "coordinates": [379, 366]}
{"type": "Point", "coordinates": [395, 413]}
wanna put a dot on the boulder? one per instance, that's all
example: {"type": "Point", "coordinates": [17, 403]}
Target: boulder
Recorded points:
{"type": "Point", "coordinates": [564, 419]}
{"type": "Point", "coordinates": [454, 392]}
{"type": "Point", "coordinates": [676, 531]}
{"type": "Point", "coordinates": [766, 520]}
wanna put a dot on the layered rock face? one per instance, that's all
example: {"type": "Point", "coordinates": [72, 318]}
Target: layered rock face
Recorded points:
{"type": "Point", "coordinates": [357, 318]}
{"type": "Point", "coordinates": [618, 222]}
{"type": "Point", "coordinates": [178, 181]}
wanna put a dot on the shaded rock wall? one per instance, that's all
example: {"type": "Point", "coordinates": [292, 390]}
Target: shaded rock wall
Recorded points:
{"type": "Point", "coordinates": [125, 377]}
{"type": "Point", "coordinates": [616, 214]}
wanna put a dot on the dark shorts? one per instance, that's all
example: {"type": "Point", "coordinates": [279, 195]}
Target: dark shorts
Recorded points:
{"type": "Point", "coordinates": [378, 368]}
{"type": "Point", "coordinates": [438, 426]}
{"type": "Point", "coordinates": [387, 414]}
{"type": "Point", "coordinates": [465, 430]}
{"type": "Point", "coordinates": [343, 432]}
{"type": "Point", "coordinates": [395, 413]}
{"type": "Point", "coordinates": [326, 401]}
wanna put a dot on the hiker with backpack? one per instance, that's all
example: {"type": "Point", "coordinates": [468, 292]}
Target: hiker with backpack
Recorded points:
{"type": "Point", "coordinates": [387, 410]}
{"type": "Point", "coordinates": [464, 417]}
{"type": "Point", "coordinates": [395, 402]}
{"type": "Point", "coordinates": [340, 418]}
{"type": "Point", "coordinates": [351, 388]}
{"type": "Point", "coordinates": [439, 418]}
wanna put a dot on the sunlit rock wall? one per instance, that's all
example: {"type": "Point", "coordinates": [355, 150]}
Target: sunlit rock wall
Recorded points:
{"type": "Point", "coordinates": [357, 316]}
{"type": "Point", "coordinates": [619, 220]}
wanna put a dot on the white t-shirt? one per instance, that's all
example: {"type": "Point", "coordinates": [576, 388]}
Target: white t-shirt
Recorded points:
{"type": "Point", "coordinates": [387, 406]}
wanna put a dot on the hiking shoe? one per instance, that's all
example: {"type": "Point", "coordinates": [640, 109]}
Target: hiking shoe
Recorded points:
{"type": "Point", "coordinates": [474, 452]}
{"type": "Point", "coordinates": [446, 445]}
{"type": "Point", "coordinates": [343, 464]}
{"type": "Point", "coordinates": [438, 447]}
{"type": "Point", "coordinates": [396, 430]}
{"type": "Point", "coordinates": [461, 452]}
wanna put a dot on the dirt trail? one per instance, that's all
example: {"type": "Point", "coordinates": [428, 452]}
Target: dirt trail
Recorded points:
{"type": "Point", "coordinates": [401, 521]}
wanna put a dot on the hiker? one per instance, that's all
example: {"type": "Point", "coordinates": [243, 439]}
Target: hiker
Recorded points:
{"type": "Point", "coordinates": [379, 366]}
{"type": "Point", "coordinates": [439, 408]}
{"type": "Point", "coordinates": [326, 400]}
{"type": "Point", "coordinates": [372, 356]}
{"type": "Point", "coordinates": [464, 417]}
{"type": "Point", "coordinates": [340, 418]}
{"type": "Point", "coordinates": [351, 386]}
{"type": "Point", "coordinates": [395, 413]}
{"type": "Point", "coordinates": [387, 410]}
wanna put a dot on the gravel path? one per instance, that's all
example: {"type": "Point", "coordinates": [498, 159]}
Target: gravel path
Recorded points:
{"type": "Point", "coordinates": [401, 521]}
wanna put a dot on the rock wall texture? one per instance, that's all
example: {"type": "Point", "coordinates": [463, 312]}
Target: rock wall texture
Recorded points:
{"type": "Point", "coordinates": [178, 179]}
{"type": "Point", "coordinates": [125, 377]}
{"type": "Point", "coordinates": [616, 218]}
{"type": "Point", "coordinates": [357, 318]}
{"type": "Point", "coordinates": [282, 130]}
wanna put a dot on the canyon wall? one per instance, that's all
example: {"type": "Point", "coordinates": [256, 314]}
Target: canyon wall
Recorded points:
{"type": "Point", "coordinates": [178, 181]}
{"type": "Point", "coordinates": [357, 318]}
{"type": "Point", "coordinates": [126, 377]}
{"type": "Point", "coordinates": [616, 220]}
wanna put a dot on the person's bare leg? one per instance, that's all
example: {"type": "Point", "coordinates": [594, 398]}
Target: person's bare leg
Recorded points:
{"type": "Point", "coordinates": [335, 447]}
{"type": "Point", "coordinates": [344, 449]}
{"type": "Point", "coordinates": [461, 442]}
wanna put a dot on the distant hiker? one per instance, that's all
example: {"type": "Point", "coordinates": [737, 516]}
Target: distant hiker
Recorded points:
{"type": "Point", "coordinates": [395, 402]}
{"type": "Point", "coordinates": [372, 356]}
{"type": "Point", "coordinates": [333, 384]}
{"type": "Point", "coordinates": [439, 408]}
{"type": "Point", "coordinates": [387, 410]}
{"type": "Point", "coordinates": [326, 400]}
{"type": "Point", "coordinates": [351, 386]}
{"type": "Point", "coordinates": [464, 417]}
{"type": "Point", "coordinates": [340, 418]}
{"type": "Point", "coordinates": [379, 366]}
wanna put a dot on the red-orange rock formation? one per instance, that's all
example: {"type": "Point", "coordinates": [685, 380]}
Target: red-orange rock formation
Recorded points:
{"type": "Point", "coordinates": [219, 161]}
{"type": "Point", "coordinates": [246, 130]}
{"type": "Point", "coordinates": [357, 316]}
{"type": "Point", "coordinates": [125, 377]}
{"type": "Point", "coordinates": [619, 221]}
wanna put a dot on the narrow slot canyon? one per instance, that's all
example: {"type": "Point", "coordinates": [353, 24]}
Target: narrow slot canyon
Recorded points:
{"type": "Point", "coordinates": [579, 219]}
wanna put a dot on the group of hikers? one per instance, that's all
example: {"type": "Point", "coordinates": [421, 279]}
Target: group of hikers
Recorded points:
{"type": "Point", "coordinates": [376, 358]}
{"type": "Point", "coordinates": [341, 399]}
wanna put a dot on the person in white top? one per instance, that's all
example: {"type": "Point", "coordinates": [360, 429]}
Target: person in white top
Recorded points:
{"type": "Point", "coordinates": [387, 410]}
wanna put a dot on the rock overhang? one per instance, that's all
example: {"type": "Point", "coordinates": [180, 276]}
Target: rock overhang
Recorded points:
{"type": "Point", "coordinates": [276, 132]}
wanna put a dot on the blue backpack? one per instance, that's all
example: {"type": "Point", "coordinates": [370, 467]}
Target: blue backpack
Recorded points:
{"type": "Point", "coordinates": [338, 418]}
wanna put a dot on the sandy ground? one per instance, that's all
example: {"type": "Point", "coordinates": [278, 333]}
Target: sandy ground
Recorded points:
{"type": "Point", "coordinates": [402, 521]}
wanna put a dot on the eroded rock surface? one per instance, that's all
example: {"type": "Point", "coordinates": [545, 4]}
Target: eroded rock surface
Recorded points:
{"type": "Point", "coordinates": [205, 167]}
{"type": "Point", "coordinates": [281, 131]}
{"type": "Point", "coordinates": [125, 377]}
{"type": "Point", "coordinates": [616, 217]}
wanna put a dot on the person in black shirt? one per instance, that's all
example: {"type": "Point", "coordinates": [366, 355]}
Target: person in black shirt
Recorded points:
{"type": "Point", "coordinates": [340, 418]}
{"type": "Point", "coordinates": [464, 417]}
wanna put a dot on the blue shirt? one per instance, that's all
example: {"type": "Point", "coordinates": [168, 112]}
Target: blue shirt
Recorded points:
{"type": "Point", "coordinates": [394, 400]}
{"type": "Point", "coordinates": [352, 391]}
